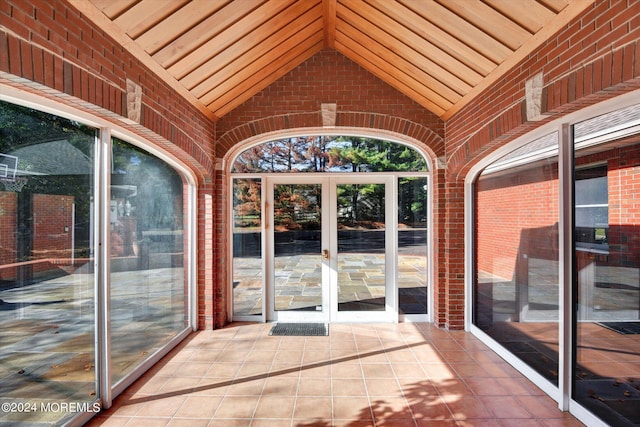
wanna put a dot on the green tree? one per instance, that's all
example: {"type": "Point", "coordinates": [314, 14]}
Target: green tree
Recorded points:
{"type": "Point", "coordinates": [341, 154]}
{"type": "Point", "coordinates": [247, 203]}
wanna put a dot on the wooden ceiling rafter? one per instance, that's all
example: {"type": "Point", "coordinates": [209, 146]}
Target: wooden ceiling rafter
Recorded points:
{"type": "Point", "coordinates": [202, 33]}
{"type": "Point", "coordinates": [435, 35]}
{"type": "Point", "coordinates": [472, 36]}
{"type": "Point", "coordinates": [415, 63]}
{"type": "Point", "coordinates": [493, 23]}
{"type": "Point", "coordinates": [243, 76]}
{"type": "Point", "coordinates": [244, 51]}
{"type": "Point", "coordinates": [174, 28]}
{"type": "Point", "coordinates": [537, 13]}
{"type": "Point", "coordinates": [409, 38]}
{"type": "Point", "coordinates": [139, 18]}
{"type": "Point", "coordinates": [403, 70]}
{"type": "Point", "coordinates": [237, 31]}
{"type": "Point", "coordinates": [440, 53]}
{"type": "Point", "coordinates": [113, 8]}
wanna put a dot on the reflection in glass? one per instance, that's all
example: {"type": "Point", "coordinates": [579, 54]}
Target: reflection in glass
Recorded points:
{"type": "Point", "coordinates": [361, 247]}
{"type": "Point", "coordinates": [516, 293]}
{"type": "Point", "coordinates": [329, 154]}
{"type": "Point", "coordinates": [47, 307]}
{"type": "Point", "coordinates": [297, 252]}
{"type": "Point", "coordinates": [247, 249]}
{"type": "Point", "coordinates": [148, 282]}
{"type": "Point", "coordinates": [412, 245]}
{"type": "Point", "coordinates": [607, 229]}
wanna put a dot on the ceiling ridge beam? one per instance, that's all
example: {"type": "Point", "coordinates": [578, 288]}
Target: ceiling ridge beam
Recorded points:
{"type": "Point", "coordinates": [329, 8]}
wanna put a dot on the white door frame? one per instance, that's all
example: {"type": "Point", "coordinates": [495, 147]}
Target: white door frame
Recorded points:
{"type": "Point", "coordinates": [321, 316]}
{"type": "Point", "coordinates": [390, 313]}
{"type": "Point", "coordinates": [329, 311]}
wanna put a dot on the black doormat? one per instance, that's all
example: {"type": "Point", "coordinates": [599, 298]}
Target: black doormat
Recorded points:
{"type": "Point", "coordinates": [626, 328]}
{"type": "Point", "coordinates": [300, 329]}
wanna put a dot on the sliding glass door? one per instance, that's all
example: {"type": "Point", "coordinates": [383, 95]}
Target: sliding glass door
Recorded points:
{"type": "Point", "coordinates": [94, 265]}
{"type": "Point", "coordinates": [606, 208]}
{"type": "Point", "coordinates": [557, 263]}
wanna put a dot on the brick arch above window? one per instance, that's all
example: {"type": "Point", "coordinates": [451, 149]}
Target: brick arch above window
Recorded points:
{"type": "Point", "coordinates": [614, 72]}
{"type": "Point", "coordinates": [369, 123]}
{"type": "Point", "coordinates": [158, 130]}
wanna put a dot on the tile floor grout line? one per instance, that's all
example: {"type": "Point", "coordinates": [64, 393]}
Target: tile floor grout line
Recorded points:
{"type": "Point", "coordinates": [393, 339]}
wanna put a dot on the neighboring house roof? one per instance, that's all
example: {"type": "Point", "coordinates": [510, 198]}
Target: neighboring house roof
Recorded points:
{"type": "Point", "coordinates": [52, 158]}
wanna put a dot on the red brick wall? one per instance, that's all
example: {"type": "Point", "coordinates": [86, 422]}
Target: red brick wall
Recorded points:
{"type": "Point", "coordinates": [51, 233]}
{"type": "Point", "coordinates": [516, 213]}
{"type": "Point", "coordinates": [8, 227]}
{"type": "Point", "coordinates": [362, 100]}
{"type": "Point", "coordinates": [52, 226]}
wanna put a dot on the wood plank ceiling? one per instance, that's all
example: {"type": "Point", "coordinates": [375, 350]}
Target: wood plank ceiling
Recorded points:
{"type": "Point", "coordinates": [440, 53]}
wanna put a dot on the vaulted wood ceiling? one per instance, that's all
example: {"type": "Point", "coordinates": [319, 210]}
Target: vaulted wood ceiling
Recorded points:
{"type": "Point", "coordinates": [440, 53]}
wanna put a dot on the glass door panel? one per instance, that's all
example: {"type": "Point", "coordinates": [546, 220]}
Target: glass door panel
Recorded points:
{"type": "Point", "coordinates": [247, 248]}
{"type": "Point", "coordinates": [360, 213]}
{"type": "Point", "coordinates": [298, 256]}
{"type": "Point", "coordinates": [328, 249]}
{"type": "Point", "coordinates": [149, 292]}
{"type": "Point", "coordinates": [607, 257]}
{"type": "Point", "coordinates": [412, 246]}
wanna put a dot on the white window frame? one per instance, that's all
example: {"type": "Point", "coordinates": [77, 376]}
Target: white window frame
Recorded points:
{"type": "Point", "coordinates": [231, 156]}
{"type": "Point", "coordinates": [107, 391]}
{"type": "Point", "coordinates": [564, 127]}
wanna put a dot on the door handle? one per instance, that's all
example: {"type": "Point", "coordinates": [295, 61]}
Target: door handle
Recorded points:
{"type": "Point", "coordinates": [325, 254]}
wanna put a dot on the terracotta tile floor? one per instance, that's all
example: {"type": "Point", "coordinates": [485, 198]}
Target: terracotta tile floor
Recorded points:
{"type": "Point", "coordinates": [404, 374]}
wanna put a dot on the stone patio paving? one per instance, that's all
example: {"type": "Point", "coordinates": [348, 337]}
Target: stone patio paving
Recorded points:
{"type": "Point", "coordinates": [298, 282]}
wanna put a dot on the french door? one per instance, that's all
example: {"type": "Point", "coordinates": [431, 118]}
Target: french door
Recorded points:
{"type": "Point", "coordinates": [329, 247]}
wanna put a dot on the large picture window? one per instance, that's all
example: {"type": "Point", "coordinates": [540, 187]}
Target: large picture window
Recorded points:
{"type": "Point", "coordinates": [607, 266]}
{"type": "Point", "coordinates": [148, 281]}
{"type": "Point", "coordinates": [557, 263]}
{"type": "Point", "coordinates": [52, 195]}
{"type": "Point", "coordinates": [516, 293]}
{"type": "Point", "coordinates": [47, 280]}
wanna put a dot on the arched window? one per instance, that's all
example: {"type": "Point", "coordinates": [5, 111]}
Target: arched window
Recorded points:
{"type": "Point", "coordinates": [60, 225]}
{"type": "Point", "coordinates": [314, 154]}
{"type": "Point", "coordinates": [557, 259]}
{"type": "Point", "coordinates": [334, 202]}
